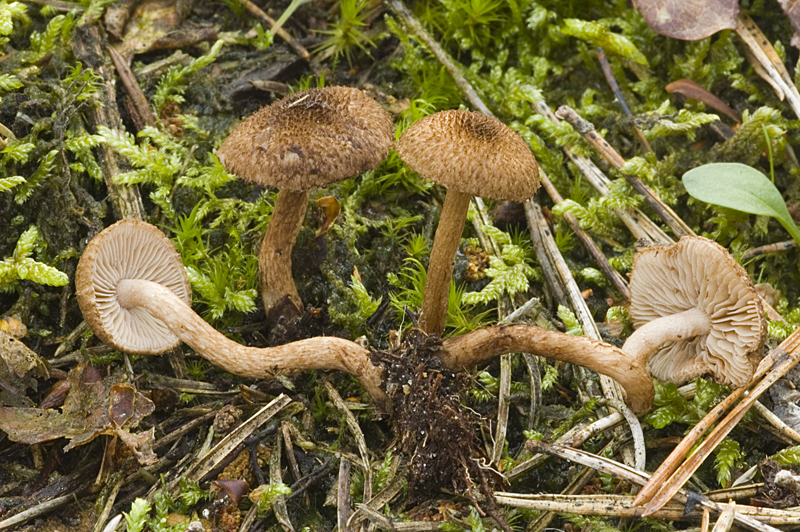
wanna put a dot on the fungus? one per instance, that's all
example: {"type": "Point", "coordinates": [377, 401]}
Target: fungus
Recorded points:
{"type": "Point", "coordinates": [696, 312]}
{"type": "Point", "coordinates": [469, 153]}
{"type": "Point", "coordinates": [484, 344]}
{"type": "Point", "coordinates": [309, 139]}
{"type": "Point", "coordinates": [135, 296]}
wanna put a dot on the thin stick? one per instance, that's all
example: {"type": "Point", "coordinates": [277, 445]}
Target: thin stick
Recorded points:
{"type": "Point", "coordinates": [361, 442]}
{"type": "Point", "coordinates": [779, 425]}
{"type": "Point", "coordinates": [618, 470]}
{"type": "Point", "coordinates": [126, 199]}
{"type": "Point", "coordinates": [586, 128]}
{"type": "Point", "coordinates": [36, 511]}
{"type": "Point", "coordinates": [612, 82]}
{"type": "Point", "coordinates": [276, 479]}
{"type": "Point", "coordinates": [675, 458]}
{"type": "Point", "coordinates": [578, 304]}
{"type": "Point", "coordinates": [221, 450]}
{"type": "Point", "coordinates": [599, 257]}
{"type": "Point", "coordinates": [548, 269]}
{"type": "Point", "coordinates": [609, 505]}
{"type": "Point", "coordinates": [766, 56]}
{"type": "Point", "coordinates": [282, 33]}
{"type": "Point", "coordinates": [132, 87]}
{"type": "Point", "coordinates": [479, 221]}
{"type": "Point", "coordinates": [785, 357]}
{"type": "Point", "coordinates": [769, 248]}
{"type": "Point", "coordinates": [640, 226]}
{"type": "Point", "coordinates": [414, 26]}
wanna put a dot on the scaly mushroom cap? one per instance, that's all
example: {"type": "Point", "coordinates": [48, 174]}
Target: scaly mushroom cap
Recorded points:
{"type": "Point", "coordinates": [129, 249]}
{"type": "Point", "coordinates": [697, 273]}
{"type": "Point", "coordinates": [310, 139]}
{"type": "Point", "coordinates": [471, 153]}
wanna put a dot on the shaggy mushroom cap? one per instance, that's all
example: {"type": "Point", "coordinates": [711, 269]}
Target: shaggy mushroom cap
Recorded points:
{"type": "Point", "coordinates": [696, 274]}
{"type": "Point", "coordinates": [310, 139]}
{"type": "Point", "coordinates": [472, 153]}
{"type": "Point", "coordinates": [129, 249]}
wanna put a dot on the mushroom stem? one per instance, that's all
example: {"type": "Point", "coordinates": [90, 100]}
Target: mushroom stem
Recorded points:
{"type": "Point", "coordinates": [275, 258]}
{"type": "Point", "coordinates": [253, 362]}
{"type": "Point", "coordinates": [681, 326]}
{"type": "Point", "coordinates": [484, 344]}
{"type": "Point", "coordinates": [440, 265]}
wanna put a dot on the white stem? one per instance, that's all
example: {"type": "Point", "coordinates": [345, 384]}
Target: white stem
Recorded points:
{"type": "Point", "coordinates": [254, 362]}
{"type": "Point", "coordinates": [652, 335]}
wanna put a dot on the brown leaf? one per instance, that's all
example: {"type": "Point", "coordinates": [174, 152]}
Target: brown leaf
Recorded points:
{"type": "Point", "coordinates": [121, 403]}
{"type": "Point", "coordinates": [331, 209]}
{"type": "Point", "coordinates": [19, 367]}
{"type": "Point", "coordinates": [90, 409]}
{"type": "Point", "coordinates": [692, 90]}
{"type": "Point", "coordinates": [141, 444]}
{"type": "Point", "coordinates": [689, 20]}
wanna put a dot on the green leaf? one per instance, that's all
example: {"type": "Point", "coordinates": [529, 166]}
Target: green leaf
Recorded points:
{"type": "Point", "coordinates": [741, 188]}
{"type": "Point", "coordinates": [7, 183]}
{"type": "Point", "coordinates": [137, 518]}
{"type": "Point", "coordinates": [727, 454]}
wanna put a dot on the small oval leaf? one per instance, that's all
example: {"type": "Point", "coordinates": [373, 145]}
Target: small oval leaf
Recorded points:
{"type": "Point", "coordinates": [740, 187]}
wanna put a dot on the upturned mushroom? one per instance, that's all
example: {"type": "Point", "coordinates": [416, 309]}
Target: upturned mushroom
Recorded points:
{"type": "Point", "coordinates": [134, 294]}
{"type": "Point", "coordinates": [470, 154]}
{"type": "Point", "coordinates": [696, 312]}
{"type": "Point", "coordinates": [308, 139]}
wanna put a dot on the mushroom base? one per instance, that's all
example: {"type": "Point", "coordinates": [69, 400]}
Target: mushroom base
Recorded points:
{"type": "Point", "coordinates": [647, 339]}
{"type": "Point", "coordinates": [435, 432]}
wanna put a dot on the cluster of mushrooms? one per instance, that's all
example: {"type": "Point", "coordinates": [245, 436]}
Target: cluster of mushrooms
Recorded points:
{"type": "Point", "coordinates": [694, 307]}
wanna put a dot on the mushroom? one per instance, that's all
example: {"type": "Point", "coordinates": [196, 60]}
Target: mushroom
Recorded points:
{"type": "Point", "coordinates": [696, 312]}
{"type": "Point", "coordinates": [484, 344]}
{"type": "Point", "coordinates": [308, 139]}
{"type": "Point", "coordinates": [135, 296]}
{"type": "Point", "coordinates": [469, 153]}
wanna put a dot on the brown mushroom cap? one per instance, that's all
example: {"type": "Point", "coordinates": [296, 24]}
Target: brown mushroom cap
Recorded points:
{"type": "Point", "coordinates": [129, 249]}
{"type": "Point", "coordinates": [472, 153]}
{"type": "Point", "coordinates": [697, 273]}
{"type": "Point", "coordinates": [310, 139]}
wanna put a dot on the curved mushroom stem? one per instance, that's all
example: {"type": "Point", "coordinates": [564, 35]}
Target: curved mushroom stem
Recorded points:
{"type": "Point", "coordinates": [275, 258]}
{"type": "Point", "coordinates": [254, 362]}
{"type": "Point", "coordinates": [440, 265]}
{"type": "Point", "coordinates": [484, 344]}
{"type": "Point", "coordinates": [652, 335]}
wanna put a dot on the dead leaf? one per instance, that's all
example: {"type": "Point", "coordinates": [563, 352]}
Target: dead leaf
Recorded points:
{"type": "Point", "coordinates": [19, 367]}
{"type": "Point", "coordinates": [19, 358]}
{"type": "Point", "coordinates": [692, 90]}
{"type": "Point", "coordinates": [13, 326]}
{"type": "Point", "coordinates": [90, 409]}
{"type": "Point", "coordinates": [689, 20]}
{"type": "Point", "coordinates": [158, 24]}
{"type": "Point", "coordinates": [330, 209]}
